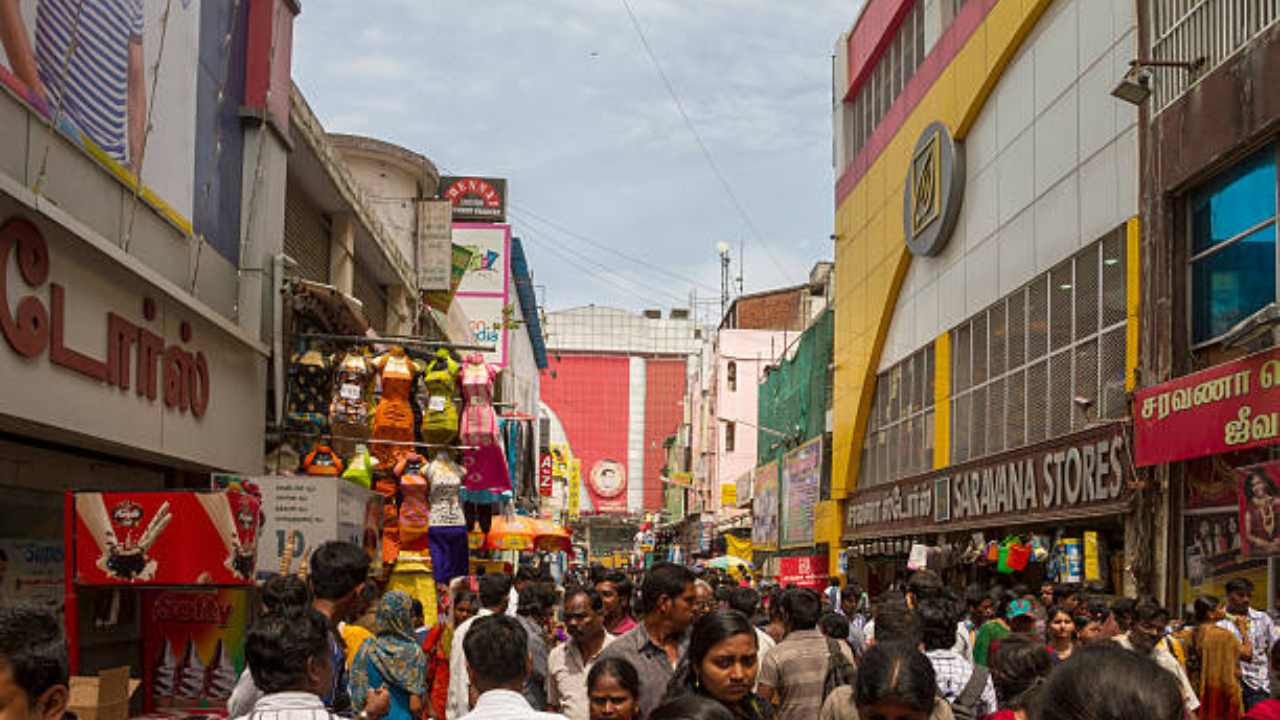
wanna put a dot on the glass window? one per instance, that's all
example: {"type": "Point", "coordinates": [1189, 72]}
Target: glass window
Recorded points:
{"type": "Point", "coordinates": [730, 430]}
{"type": "Point", "coordinates": [1233, 242]}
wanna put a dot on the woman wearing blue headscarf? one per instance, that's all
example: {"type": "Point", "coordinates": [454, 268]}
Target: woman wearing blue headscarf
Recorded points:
{"type": "Point", "coordinates": [392, 659]}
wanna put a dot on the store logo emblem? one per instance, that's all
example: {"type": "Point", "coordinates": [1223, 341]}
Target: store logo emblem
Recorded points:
{"type": "Point", "coordinates": [127, 514]}
{"type": "Point", "coordinates": [934, 191]}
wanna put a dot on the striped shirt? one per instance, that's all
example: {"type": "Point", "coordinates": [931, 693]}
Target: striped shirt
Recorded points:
{"type": "Point", "coordinates": [289, 706]}
{"type": "Point", "coordinates": [796, 669]}
{"type": "Point", "coordinates": [95, 93]}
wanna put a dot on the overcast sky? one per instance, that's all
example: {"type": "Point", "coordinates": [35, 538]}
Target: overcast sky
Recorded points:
{"type": "Point", "coordinates": [560, 97]}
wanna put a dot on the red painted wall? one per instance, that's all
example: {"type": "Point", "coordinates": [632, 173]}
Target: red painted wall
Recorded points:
{"type": "Point", "coordinates": [591, 397]}
{"type": "Point", "coordinates": [663, 410]}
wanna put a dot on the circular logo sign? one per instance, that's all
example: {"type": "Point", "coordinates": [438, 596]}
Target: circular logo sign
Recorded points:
{"type": "Point", "coordinates": [934, 191]}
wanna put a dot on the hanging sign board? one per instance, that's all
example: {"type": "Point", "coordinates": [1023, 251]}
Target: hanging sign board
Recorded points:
{"type": "Point", "coordinates": [476, 199]}
{"type": "Point", "coordinates": [545, 466]}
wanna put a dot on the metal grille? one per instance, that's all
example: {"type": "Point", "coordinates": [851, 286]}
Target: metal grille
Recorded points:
{"type": "Point", "coordinates": [1015, 410]}
{"type": "Point", "coordinates": [980, 349]}
{"type": "Point", "coordinates": [1017, 322]}
{"type": "Point", "coordinates": [884, 83]}
{"type": "Point", "coordinates": [1112, 374]}
{"type": "Point", "coordinates": [995, 416]}
{"type": "Point", "coordinates": [1086, 384]}
{"type": "Point", "coordinates": [1061, 288]}
{"type": "Point", "coordinates": [1211, 29]}
{"type": "Point", "coordinates": [1114, 269]}
{"type": "Point", "coordinates": [1037, 407]}
{"type": "Point", "coordinates": [960, 359]}
{"type": "Point", "coordinates": [1037, 319]}
{"type": "Point", "coordinates": [999, 334]}
{"type": "Point", "coordinates": [978, 422]}
{"type": "Point", "coordinates": [1060, 394]}
{"type": "Point", "coordinates": [306, 237]}
{"type": "Point", "coordinates": [1087, 296]}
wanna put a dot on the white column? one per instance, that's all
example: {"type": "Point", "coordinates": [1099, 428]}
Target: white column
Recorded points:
{"type": "Point", "coordinates": [635, 437]}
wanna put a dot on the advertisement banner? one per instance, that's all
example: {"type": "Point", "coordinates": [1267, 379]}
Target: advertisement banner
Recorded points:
{"type": "Point", "coordinates": [1211, 482]}
{"type": "Point", "coordinates": [744, 486]}
{"type": "Point", "coordinates": [483, 294]}
{"type": "Point", "coordinates": [1259, 497]}
{"type": "Point", "coordinates": [132, 538]}
{"type": "Point", "coordinates": [728, 495]}
{"type": "Point", "coordinates": [805, 572]}
{"type": "Point", "coordinates": [545, 477]}
{"type": "Point", "coordinates": [476, 199]}
{"type": "Point", "coordinates": [607, 483]}
{"type": "Point", "coordinates": [575, 489]}
{"type": "Point", "coordinates": [300, 513]}
{"type": "Point", "coordinates": [1211, 555]}
{"type": "Point", "coordinates": [1232, 406]}
{"type": "Point", "coordinates": [195, 640]}
{"type": "Point", "coordinates": [801, 479]}
{"type": "Point", "coordinates": [31, 572]}
{"type": "Point", "coordinates": [103, 95]}
{"type": "Point", "coordinates": [764, 508]}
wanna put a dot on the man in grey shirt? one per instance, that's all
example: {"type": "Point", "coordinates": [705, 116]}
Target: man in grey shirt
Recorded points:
{"type": "Point", "coordinates": [657, 645]}
{"type": "Point", "coordinates": [537, 603]}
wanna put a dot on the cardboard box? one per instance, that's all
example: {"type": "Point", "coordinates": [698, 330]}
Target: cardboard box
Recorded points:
{"type": "Point", "coordinates": [105, 697]}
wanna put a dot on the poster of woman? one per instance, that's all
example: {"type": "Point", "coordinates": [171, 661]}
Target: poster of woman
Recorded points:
{"type": "Point", "coordinates": [1259, 497]}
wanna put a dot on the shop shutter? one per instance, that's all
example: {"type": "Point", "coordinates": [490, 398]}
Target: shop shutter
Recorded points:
{"type": "Point", "coordinates": [368, 293]}
{"type": "Point", "coordinates": [306, 236]}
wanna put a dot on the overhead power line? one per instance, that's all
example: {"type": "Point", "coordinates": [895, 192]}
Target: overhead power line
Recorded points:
{"type": "Point", "coordinates": [592, 274]}
{"type": "Point", "coordinates": [706, 153]}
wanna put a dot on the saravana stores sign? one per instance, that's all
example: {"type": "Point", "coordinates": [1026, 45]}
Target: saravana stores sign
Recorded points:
{"type": "Point", "coordinates": [1077, 475]}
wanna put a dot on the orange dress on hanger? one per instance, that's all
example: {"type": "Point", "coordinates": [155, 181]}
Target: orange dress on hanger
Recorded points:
{"type": "Point", "coordinates": [393, 422]}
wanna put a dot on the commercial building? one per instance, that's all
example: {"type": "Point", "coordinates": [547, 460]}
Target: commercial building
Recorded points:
{"type": "Point", "coordinates": [987, 253]}
{"type": "Point", "coordinates": [1204, 413]}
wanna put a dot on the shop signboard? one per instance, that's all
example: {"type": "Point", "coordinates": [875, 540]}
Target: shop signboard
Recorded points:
{"type": "Point", "coordinates": [476, 199]}
{"type": "Point", "coordinates": [31, 572]}
{"type": "Point", "coordinates": [801, 478]}
{"type": "Point", "coordinates": [1259, 498]}
{"type": "Point", "coordinates": [545, 467]}
{"type": "Point", "coordinates": [804, 572]}
{"type": "Point", "coordinates": [764, 508]}
{"type": "Point", "coordinates": [195, 640]}
{"type": "Point", "coordinates": [166, 538]}
{"type": "Point", "coordinates": [729, 495]}
{"type": "Point", "coordinates": [302, 512]}
{"type": "Point", "coordinates": [575, 489]}
{"type": "Point", "coordinates": [1080, 475]}
{"type": "Point", "coordinates": [1229, 407]}
{"type": "Point", "coordinates": [435, 246]}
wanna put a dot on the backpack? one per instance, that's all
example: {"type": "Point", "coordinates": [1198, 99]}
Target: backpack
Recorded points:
{"type": "Point", "coordinates": [840, 671]}
{"type": "Point", "coordinates": [965, 705]}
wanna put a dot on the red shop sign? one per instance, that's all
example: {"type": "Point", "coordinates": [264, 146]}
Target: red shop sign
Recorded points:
{"type": "Point", "coordinates": [1233, 406]}
{"type": "Point", "coordinates": [544, 475]}
{"type": "Point", "coordinates": [166, 538]}
{"type": "Point", "coordinates": [807, 572]}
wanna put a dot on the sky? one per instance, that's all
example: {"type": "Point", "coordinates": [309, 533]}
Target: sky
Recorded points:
{"type": "Point", "coordinates": [611, 193]}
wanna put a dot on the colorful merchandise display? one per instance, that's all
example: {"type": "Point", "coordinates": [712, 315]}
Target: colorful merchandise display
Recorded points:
{"type": "Point", "coordinates": [350, 403]}
{"type": "Point", "coordinates": [410, 472]}
{"type": "Point", "coordinates": [439, 409]}
{"type": "Point", "coordinates": [487, 481]}
{"type": "Point", "coordinates": [448, 532]}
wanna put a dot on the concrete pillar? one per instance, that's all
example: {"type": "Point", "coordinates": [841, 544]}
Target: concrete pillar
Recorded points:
{"type": "Point", "coordinates": [342, 253]}
{"type": "Point", "coordinates": [399, 310]}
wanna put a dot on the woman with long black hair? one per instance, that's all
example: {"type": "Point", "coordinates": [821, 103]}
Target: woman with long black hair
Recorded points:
{"type": "Point", "coordinates": [721, 664]}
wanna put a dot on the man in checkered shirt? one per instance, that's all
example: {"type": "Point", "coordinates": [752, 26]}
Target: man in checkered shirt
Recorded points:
{"type": "Point", "coordinates": [937, 618]}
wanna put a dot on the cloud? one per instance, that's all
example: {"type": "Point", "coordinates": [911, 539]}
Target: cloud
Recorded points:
{"type": "Point", "coordinates": [560, 97]}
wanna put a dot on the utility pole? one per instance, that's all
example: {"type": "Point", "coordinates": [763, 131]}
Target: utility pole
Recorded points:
{"type": "Point", "coordinates": [726, 281]}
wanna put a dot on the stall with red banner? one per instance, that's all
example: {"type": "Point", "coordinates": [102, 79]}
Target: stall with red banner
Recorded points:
{"type": "Point", "coordinates": [190, 557]}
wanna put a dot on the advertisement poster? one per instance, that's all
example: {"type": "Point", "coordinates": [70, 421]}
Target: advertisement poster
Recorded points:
{"type": "Point", "coordinates": [728, 495]}
{"type": "Point", "coordinates": [575, 489]}
{"type": "Point", "coordinates": [195, 642]}
{"type": "Point", "coordinates": [545, 466]}
{"type": "Point", "coordinates": [607, 483]}
{"type": "Point", "coordinates": [1211, 482]}
{"type": "Point", "coordinates": [166, 538]}
{"type": "Point", "coordinates": [31, 572]}
{"type": "Point", "coordinates": [298, 516]}
{"type": "Point", "coordinates": [483, 294]}
{"type": "Point", "coordinates": [1211, 555]}
{"type": "Point", "coordinates": [1259, 492]}
{"type": "Point", "coordinates": [801, 477]}
{"type": "Point", "coordinates": [764, 513]}
{"type": "Point", "coordinates": [805, 572]}
{"type": "Point", "coordinates": [102, 98]}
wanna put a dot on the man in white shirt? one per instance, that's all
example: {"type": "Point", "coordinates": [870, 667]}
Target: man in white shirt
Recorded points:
{"type": "Point", "coordinates": [1144, 638]}
{"type": "Point", "coordinates": [1259, 632]}
{"type": "Point", "coordinates": [494, 591]}
{"type": "Point", "coordinates": [569, 663]}
{"type": "Point", "coordinates": [497, 657]}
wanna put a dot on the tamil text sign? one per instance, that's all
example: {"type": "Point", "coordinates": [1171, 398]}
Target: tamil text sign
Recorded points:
{"type": "Point", "coordinates": [1229, 407]}
{"type": "Point", "coordinates": [801, 477]}
{"type": "Point", "coordinates": [764, 507]}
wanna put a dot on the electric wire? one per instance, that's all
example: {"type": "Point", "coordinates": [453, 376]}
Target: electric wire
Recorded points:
{"type": "Point", "coordinates": [706, 153]}
{"type": "Point", "coordinates": [590, 273]}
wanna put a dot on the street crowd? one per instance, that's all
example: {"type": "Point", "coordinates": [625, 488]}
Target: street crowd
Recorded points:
{"type": "Point", "coordinates": [669, 643]}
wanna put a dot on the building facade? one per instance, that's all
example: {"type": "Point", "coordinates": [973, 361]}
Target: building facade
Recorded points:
{"type": "Point", "coordinates": [987, 249]}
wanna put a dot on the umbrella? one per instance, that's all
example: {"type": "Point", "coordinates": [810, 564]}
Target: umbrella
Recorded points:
{"type": "Point", "coordinates": [511, 533]}
{"type": "Point", "coordinates": [729, 562]}
{"type": "Point", "coordinates": [549, 536]}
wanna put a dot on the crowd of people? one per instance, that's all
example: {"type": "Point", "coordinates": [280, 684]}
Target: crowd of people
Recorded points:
{"type": "Point", "coordinates": [668, 644]}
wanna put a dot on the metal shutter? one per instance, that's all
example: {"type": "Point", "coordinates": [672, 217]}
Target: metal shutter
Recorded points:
{"type": "Point", "coordinates": [375, 304]}
{"type": "Point", "coordinates": [306, 236]}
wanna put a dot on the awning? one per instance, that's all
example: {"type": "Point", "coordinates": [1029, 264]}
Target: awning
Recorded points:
{"type": "Point", "coordinates": [323, 308]}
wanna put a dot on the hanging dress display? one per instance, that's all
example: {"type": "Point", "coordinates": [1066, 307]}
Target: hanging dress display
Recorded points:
{"type": "Point", "coordinates": [310, 374]}
{"type": "Point", "coordinates": [439, 410]}
{"type": "Point", "coordinates": [322, 461]}
{"type": "Point", "coordinates": [349, 403]}
{"type": "Point", "coordinates": [448, 532]}
{"type": "Point", "coordinates": [414, 513]}
{"type": "Point", "coordinates": [487, 482]}
{"type": "Point", "coordinates": [360, 468]}
{"type": "Point", "coordinates": [392, 423]}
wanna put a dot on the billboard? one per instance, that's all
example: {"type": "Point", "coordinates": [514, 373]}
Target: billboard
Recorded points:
{"type": "Point", "coordinates": [764, 508]}
{"type": "Point", "coordinates": [476, 199]}
{"type": "Point", "coordinates": [1259, 496]}
{"type": "Point", "coordinates": [484, 293]}
{"type": "Point", "coordinates": [801, 478]}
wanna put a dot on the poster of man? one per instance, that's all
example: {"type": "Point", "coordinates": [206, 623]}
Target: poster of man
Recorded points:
{"type": "Point", "coordinates": [1259, 495]}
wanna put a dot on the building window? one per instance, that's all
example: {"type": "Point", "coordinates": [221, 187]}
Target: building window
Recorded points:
{"type": "Point", "coordinates": [732, 375]}
{"type": "Point", "coordinates": [1233, 246]}
{"type": "Point", "coordinates": [729, 432]}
